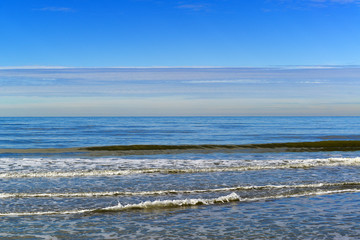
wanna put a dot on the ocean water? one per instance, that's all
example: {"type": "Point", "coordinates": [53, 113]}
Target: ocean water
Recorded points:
{"type": "Point", "coordinates": [192, 195]}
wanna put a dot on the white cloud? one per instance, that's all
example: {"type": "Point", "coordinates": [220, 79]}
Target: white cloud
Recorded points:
{"type": "Point", "coordinates": [243, 81]}
{"type": "Point", "coordinates": [336, 1]}
{"type": "Point", "coordinates": [193, 7]}
{"type": "Point", "coordinates": [178, 91]}
{"type": "Point", "coordinates": [325, 3]}
{"type": "Point", "coordinates": [305, 4]}
{"type": "Point", "coordinates": [55, 9]}
{"type": "Point", "coordinates": [30, 67]}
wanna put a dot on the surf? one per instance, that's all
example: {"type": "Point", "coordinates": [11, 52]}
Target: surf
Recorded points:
{"type": "Point", "coordinates": [251, 166]}
{"type": "Point", "coordinates": [180, 203]}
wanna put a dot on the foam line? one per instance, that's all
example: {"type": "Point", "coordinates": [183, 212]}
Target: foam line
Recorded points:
{"type": "Point", "coordinates": [163, 204]}
{"type": "Point", "coordinates": [174, 192]}
{"type": "Point", "coordinates": [307, 163]}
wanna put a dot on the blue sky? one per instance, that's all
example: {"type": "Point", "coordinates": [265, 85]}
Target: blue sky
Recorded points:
{"type": "Point", "coordinates": [109, 33]}
{"type": "Point", "coordinates": [262, 57]}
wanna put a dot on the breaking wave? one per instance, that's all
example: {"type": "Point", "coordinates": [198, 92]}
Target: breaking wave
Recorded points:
{"type": "Point", "coordinates": [164, 204]}
{"type": "Point", "coordinates": [263, 165]}
{"type": "Point", "coordinates": [349, 185]}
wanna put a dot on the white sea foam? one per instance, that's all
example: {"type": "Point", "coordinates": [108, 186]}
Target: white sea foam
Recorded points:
{"type": "Point", "coordinates": [168, 192]}
{"type": "Point", "coordinates": [161, 204]}
{"type": "Point", "coordinates": [143, 205]}
{"type": "Point", "coordinates": [108, 163]}
{"type": "Point", "coordinates": [184, 166]}
{"type": "Point", "coordinates": [174, 203]}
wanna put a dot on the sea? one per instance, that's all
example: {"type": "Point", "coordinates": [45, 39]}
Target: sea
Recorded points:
{"type": "Point", "coordinates": [177, 195]}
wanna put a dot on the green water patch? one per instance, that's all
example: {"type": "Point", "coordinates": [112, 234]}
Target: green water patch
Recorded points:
{"type": "Point", "coordinates": [314, 146]}
{"type": "Point", "coordinates": [158, 147]}
{"type": "Point", "coordinates": [291, 146]}
{"type": "Point", "coordinates": [321, 146]}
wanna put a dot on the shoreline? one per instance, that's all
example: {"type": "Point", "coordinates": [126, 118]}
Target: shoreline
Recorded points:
{"type": "Point", "coordinates": [320, 146]}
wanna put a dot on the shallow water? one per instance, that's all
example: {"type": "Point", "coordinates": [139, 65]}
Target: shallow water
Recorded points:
{"type": "Point", "coordinates": [282, 195]}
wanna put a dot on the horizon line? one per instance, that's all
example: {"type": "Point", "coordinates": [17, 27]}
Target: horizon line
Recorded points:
{"type": "Point", "coordinates": [145, 116]}
{"type": "Point", "coordinates": [40, 67]}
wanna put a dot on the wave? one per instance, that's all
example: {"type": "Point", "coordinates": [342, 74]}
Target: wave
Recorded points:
{"type": "Point", "coordinates": [233, 197]}
{"type": "Point", "coordinates": [349, 185]}
{"type": "Point", "coordinates": [164, 204]}
{"type": "Point", "coordinates": [307, 163]}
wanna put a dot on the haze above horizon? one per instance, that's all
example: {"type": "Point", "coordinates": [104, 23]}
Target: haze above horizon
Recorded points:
{"type": "Point", "coordinates": [122, 58]}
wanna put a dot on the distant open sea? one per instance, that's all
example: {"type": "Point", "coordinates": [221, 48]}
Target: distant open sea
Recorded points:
{"type": "Point", "coordinates": [189, 195]}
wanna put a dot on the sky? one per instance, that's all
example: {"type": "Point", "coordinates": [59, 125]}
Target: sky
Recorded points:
{"type": "Point", "coordinates": [179, 58]}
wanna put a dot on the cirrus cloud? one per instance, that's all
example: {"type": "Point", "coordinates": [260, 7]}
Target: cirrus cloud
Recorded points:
{"type": "Point", "coordinates": [55, 9]}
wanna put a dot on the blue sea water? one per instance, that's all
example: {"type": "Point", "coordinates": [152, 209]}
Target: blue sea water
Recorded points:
{"type": "Point", "coordinates": [226, 195]}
